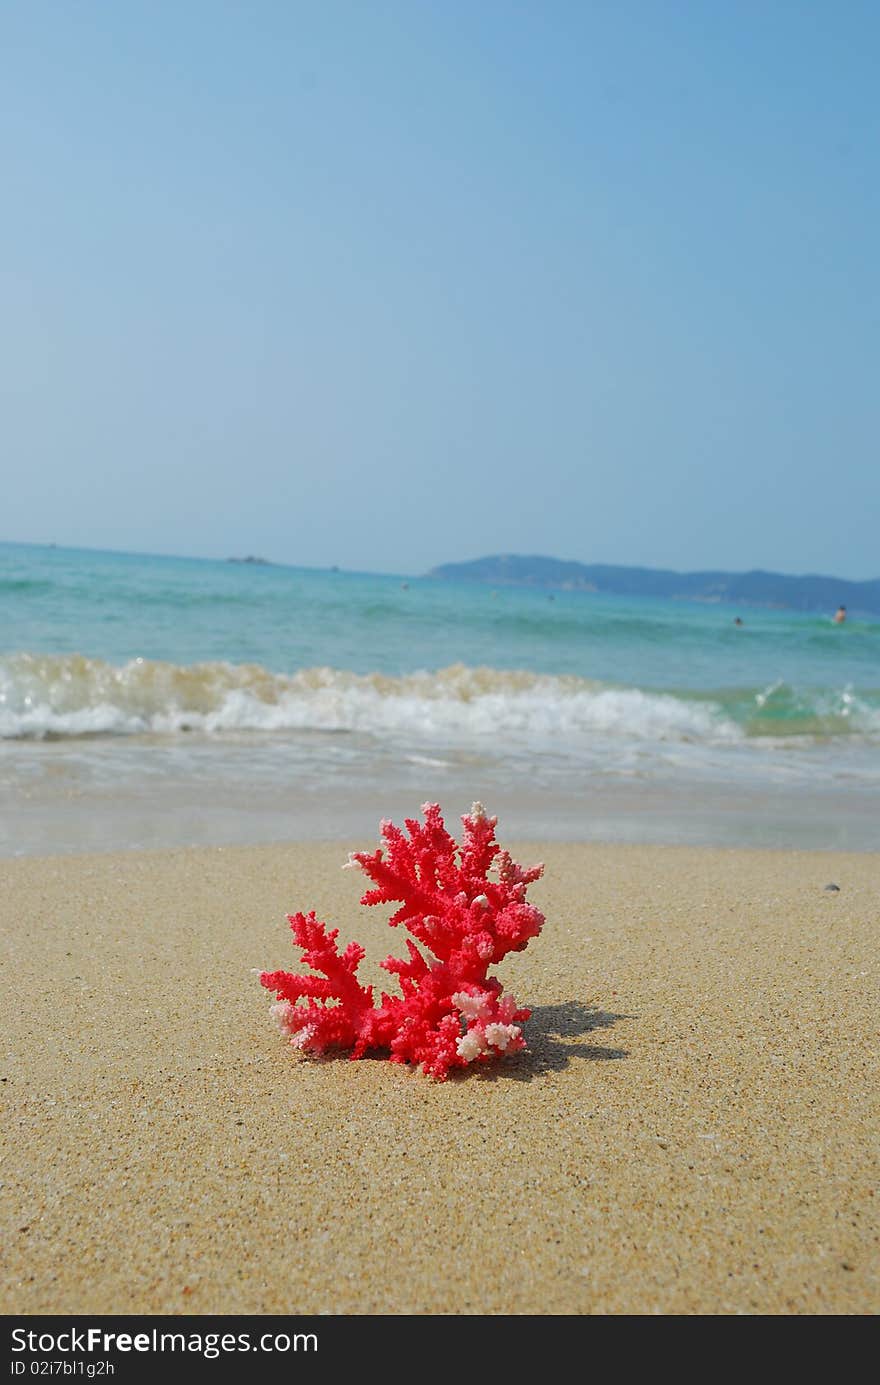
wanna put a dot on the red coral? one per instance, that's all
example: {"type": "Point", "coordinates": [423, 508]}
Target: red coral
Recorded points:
{"type": "Point", "coordinates": [450, 1013]}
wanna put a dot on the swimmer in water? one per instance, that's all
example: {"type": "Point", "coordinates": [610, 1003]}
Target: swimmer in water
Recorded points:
{"type": "Point", "coordinates": [840, 615]}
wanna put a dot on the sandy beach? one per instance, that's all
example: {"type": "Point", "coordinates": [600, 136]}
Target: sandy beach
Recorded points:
{"type": "Point", "coordinates": [693, 1129]}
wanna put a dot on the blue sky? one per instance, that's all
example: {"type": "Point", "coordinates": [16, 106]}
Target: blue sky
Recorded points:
{"type": "Point", "coordinates": [385, 285]}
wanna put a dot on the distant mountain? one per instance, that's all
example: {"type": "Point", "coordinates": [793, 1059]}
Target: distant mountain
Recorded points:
{"type": "Point", "coordinates": [775, 589]}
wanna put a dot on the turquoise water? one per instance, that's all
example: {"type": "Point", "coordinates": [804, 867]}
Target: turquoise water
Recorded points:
{"type": "Point", "coordinates": [174, 686]}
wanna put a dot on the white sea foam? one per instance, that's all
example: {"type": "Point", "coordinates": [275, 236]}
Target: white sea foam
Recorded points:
{"type": "Point", "coordinates": [70, 696]}
{"type": "Point", "coordinates": [60, 696]}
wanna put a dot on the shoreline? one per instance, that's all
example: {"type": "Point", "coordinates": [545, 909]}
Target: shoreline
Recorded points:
{"type": "Point", "coordinates": [692, 1129]}
{"type": "Point", "coordinates": [130, 814]}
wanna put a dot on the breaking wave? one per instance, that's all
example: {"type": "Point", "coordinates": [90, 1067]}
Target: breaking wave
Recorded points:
{"type": "Point", "coordinates": [59, 696]}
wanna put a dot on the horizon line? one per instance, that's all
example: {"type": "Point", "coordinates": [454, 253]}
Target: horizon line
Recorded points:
{"type": "Point", "coordinates": [259, 561]}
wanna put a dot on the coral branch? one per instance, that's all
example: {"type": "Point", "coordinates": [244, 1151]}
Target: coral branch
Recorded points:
{"type": "Point", "coordinates": [450, 1013]}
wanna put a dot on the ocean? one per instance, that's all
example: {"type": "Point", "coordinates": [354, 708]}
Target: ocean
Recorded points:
{"type": "Point", "coordinates": [157, 701]}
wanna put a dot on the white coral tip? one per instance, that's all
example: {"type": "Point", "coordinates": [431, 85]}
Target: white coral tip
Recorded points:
{"type": "Point", "coordinates": [473, 1007]}
{"type": "Point", "coordinates": [501, 1035]}
{"type": "Point", "coordinates": [471, 1045]}
{"type": "Point", "coordinates": [281, 1012]}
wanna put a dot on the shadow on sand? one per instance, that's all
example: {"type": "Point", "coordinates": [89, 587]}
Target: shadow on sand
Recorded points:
{"type": "Point", "coordinates": [549, 1034]}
